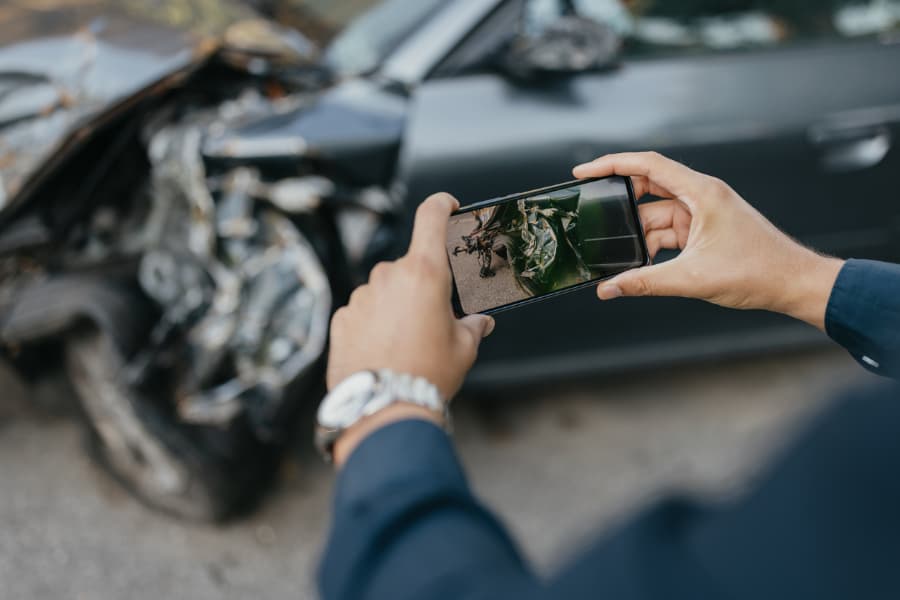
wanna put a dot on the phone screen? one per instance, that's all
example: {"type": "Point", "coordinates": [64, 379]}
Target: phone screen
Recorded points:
{"type": "Point", "coordinates": [521, 248]}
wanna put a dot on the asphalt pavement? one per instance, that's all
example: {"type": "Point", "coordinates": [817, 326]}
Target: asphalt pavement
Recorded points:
{"type": "Point", "coordinates": [556, 464]}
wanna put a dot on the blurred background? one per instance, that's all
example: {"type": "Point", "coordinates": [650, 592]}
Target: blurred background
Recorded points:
{"type": "Point", "coordinates": [188, 189]}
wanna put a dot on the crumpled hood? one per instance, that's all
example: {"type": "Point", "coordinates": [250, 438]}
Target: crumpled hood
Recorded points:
{"type": "Point", "coordinates": [65, 73]}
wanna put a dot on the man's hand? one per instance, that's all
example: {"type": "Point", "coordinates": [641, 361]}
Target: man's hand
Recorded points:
{"type": "Point", "coordinates": [730, 254]}
{"type": "Point", "coordinates": [403, 320]}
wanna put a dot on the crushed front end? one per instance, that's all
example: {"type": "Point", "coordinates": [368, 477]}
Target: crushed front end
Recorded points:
{"type": "Point", "coordinates": [176, 240]}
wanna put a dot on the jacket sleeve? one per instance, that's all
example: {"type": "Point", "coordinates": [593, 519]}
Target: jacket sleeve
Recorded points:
{"type": "Point", "coordinates": [863, 314]}
{"type": "Point", "coordinates": [822, 524]}
{"type": "Point", "coordinates": [406, 525]}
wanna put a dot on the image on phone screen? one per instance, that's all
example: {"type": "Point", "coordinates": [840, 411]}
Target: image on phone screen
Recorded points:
{"type": "Point", "coordinates": [528, 246]}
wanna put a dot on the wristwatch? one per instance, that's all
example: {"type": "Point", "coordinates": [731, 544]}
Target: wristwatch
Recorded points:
{"type": "Point", "coordinates": [365, 393]}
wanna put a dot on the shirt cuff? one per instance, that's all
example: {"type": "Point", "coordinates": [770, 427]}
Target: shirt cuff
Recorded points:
{"type": "Point", "coordinates": [399, 454]}
{"type": "Point", "coordinates": [863, 313]}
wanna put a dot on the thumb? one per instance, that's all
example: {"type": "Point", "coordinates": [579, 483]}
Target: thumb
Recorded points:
{"type": "Point", "coordinates": [663, 279]}
{"type": "Point", "coordinates": [477, 326]}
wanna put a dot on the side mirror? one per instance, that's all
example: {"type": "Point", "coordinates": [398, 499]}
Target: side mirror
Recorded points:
{"type": "Point", "coordinates": [569, 45]}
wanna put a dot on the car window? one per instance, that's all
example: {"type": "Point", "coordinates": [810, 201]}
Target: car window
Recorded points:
{"type": "Point", "coordinates": [664, 26]}
{"type": "Point", "coordinates": [371, 37]}
{"type": "Point", "coordinates": [486, 42]}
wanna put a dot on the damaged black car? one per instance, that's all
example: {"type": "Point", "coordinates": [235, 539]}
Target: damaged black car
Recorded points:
{"type": "Point", "coordinates": [188, 189]}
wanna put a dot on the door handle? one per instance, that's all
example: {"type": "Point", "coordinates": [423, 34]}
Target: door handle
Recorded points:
{"type": "Point", "coordinates": [850, 147]}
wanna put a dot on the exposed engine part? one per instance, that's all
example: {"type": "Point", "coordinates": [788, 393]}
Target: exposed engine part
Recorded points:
{"type": "Point", "coordinates": [236, 277]}
{"type": "Point", "coordinates": [301, 194]}
{"type": "Point", "coordinates": [293, 195]}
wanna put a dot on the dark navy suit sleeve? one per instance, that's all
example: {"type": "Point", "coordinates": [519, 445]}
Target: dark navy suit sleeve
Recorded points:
{"type": "Point", "coordinates": [824, 523]}
{"type": "Point", "coordinates": [863, 314]}
{"type": "Point", "coordinates": [406, 525]}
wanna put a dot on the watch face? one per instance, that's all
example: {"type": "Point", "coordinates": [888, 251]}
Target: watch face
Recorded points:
{"type": "Point", "coordinates": [344, 403]}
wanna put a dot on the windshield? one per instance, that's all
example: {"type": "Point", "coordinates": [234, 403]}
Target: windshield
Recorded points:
{"type": "Point", "coordinates": [368, 40]}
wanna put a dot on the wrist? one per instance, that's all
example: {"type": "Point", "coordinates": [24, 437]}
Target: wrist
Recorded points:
{"type": "Point", "coordinates": [808, 288]}
{"type": "Point", "coordinates": [368, 400]}
{"type": "Point", "coordinates": [398, 411]}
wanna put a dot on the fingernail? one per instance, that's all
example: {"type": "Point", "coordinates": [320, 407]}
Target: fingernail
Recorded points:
{"type": "Point", "coordinates": [490, 327]}
{"type": "Point", "coordinates": [609, 291]}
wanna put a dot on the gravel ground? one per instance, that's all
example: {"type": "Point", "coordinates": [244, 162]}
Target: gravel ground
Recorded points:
{"type": "Point", "coordinates": [556, 464]}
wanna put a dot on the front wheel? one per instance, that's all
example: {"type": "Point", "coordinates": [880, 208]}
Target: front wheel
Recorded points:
{"type": "Point", "coordinates": [194, 472]}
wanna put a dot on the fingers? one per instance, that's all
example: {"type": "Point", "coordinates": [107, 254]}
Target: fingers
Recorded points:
{"type": "Point", "coordinates": [663, 225]}
{"type": "Point", "coordinates": [657, 215]}
{"type": "Point", "coordinates": [656, 168]}
{"type": "Point", "coordinates": [429, 238]}
{"type": "Point", "coordinates": [359, 294]}
{"type": "Point", "coordinates": [665, 279]}
{"type": "Point", "coordinates": [476, 327]}
{"type": "Point", "coordinates": [339, 319]}
{"type": "Point", "coordinates": [643, 186]}
{"type": "Point", "coordinates": [659, 239]}
{"type": "Point", "coordinates": [380, 272]}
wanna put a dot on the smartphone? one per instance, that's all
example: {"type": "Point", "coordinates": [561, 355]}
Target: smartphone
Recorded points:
{"type": "Point", "coordinates": [523, 248]}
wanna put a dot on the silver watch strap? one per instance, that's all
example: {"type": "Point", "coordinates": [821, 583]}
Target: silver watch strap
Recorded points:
{"type": "Point", "coordinates": [390, 387]}
{"type": "Point", "coordinates": [396, 387]}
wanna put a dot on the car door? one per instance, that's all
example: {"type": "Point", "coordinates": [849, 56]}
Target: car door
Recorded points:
{"type": "Point", "coordinates": [802, 123]}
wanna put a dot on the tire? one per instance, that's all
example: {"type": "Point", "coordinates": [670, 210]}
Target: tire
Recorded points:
{"type": "Point", "coordinates": [192, 472]}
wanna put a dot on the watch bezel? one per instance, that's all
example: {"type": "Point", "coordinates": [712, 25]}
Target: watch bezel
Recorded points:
{"type": "Point", "coordinates": [344, 405]}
